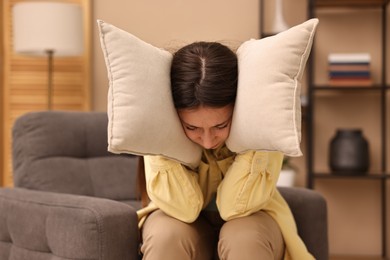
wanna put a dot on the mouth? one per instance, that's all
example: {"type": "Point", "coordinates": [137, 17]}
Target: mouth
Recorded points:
{"type": "Point", "coordinates": [215, 146]}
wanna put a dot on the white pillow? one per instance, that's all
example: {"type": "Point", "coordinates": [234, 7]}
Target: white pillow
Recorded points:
{"type": "Point", "coordinates": [267, 114]}
{"type": "Point", "coordinates": [141, 114]}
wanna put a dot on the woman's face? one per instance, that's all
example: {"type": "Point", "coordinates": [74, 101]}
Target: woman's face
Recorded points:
{"type": "Point", "coordinates": [207, 126]}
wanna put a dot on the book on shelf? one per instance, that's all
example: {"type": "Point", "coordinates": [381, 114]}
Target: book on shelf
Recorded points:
{"type": "Point", "coordinates": [349, 74]}
{"type": "Point", "coordinates": [349, 69]}
{"type": "Point", "coordinates": [353, 58]}
{"type": "Point", "coordinates": [351, 82]}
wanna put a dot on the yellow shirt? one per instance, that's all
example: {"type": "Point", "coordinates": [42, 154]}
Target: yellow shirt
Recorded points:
{"type": "Point", "coordinates": [243, 184]}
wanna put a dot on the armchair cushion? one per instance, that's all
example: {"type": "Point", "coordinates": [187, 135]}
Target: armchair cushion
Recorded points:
{"type": "Point", "coordinates": [43, 225]}
{"type": "Point", "coordinates": [66, 152]}
{"type": "Point", "coordinates": [142, 117]}
{"type": "Point", "coordinates": [267, 114]}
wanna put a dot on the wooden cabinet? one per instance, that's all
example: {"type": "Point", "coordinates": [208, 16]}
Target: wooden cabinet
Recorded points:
{"type": "Point", "coordinates": [24, 82]}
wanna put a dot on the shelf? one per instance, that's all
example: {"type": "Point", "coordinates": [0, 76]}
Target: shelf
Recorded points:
{"type": "Point", "coordinates": [349, 88]}
{"type": "Point", "coordinates": [350, 3]}
{"type": "Point", "coordinates": [348, 257]}
{"type": "Point", "coordinates": [373, 176]}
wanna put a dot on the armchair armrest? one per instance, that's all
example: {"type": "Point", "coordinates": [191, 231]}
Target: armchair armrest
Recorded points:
{"type": "Point", "coordinates": [40, 225]}
{"type": "Point", "coordinates": [310, 212]}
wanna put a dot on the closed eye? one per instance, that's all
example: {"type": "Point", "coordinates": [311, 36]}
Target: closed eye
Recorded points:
{"type": "Point", "coordinates": [191, 128]}
{"type": "Point", "coordinates": [219, 127]}
{"type": "Point", "coordinates": [223, 125]}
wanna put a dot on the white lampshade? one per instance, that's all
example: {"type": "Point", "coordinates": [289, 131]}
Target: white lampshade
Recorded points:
{"type": "Point", "coordinates": [43, 26]}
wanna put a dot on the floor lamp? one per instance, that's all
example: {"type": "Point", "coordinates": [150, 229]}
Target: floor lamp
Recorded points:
{"type": "Point", "coordinates": [48, 29]}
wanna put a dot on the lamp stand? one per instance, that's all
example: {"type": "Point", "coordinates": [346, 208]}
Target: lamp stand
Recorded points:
{"type": "Point", "coordinates": [50, 54]}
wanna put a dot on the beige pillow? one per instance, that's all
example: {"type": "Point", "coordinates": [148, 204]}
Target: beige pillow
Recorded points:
{"type": "Point", "coordinates": [267, 114]}
{"type": "Point", "coordinates": [141, 115]}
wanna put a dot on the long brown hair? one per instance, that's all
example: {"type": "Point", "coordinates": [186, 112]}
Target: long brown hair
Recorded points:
{"type": "Point", "coordinates": [202, 74]}
{"type": "Point", "coordinates": [141, 182]}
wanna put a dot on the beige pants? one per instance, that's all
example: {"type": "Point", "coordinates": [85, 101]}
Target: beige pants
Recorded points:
{"type": "Point", "coordinates": [254, 237]}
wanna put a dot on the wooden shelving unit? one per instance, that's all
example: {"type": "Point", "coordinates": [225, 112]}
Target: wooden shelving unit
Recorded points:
{"type": "Point", "coordinates": [380, 89]}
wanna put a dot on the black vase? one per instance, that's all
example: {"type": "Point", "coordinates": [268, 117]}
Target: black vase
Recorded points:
{"type": "Point", "coordinates": [349, 152]}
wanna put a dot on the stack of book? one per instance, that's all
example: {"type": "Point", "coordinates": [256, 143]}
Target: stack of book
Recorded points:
{"type": "Point", "coordinates": [349, 69]}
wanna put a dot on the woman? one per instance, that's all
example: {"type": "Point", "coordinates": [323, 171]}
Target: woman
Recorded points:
{"type": "Point", "coordinates": [228, 207]}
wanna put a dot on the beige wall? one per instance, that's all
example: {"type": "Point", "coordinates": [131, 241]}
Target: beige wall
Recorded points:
{"type": "Point", "coordinates": [354, 213]}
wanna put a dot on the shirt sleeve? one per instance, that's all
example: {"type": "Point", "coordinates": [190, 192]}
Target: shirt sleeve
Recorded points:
{"type": "Point", "coordinates": [249, 184]}
{"type": "Point", "coordinates": [173, 188]}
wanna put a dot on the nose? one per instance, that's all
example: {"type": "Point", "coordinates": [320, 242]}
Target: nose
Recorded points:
{"type": "Point", "coordinates": [209, 140]}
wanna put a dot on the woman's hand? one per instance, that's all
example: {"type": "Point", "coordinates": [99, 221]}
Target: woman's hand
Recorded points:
{"type": "Point", "coordinates": [173, 188]}
{"type": "Point", "coordinates": [249, 183]}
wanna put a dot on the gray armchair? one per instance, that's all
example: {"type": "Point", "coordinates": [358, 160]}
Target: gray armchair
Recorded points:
{"type": "Point", "coordinates": [74, 200]}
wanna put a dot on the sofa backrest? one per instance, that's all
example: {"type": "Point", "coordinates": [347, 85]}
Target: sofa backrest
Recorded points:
{"type": "Point", "coordinates": [66, 152]}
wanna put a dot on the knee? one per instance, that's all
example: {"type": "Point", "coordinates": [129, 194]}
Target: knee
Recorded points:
{"type": "Point", "coordinates": [257, 235]}
{"type": "Point", "coordinates": [177, 235]}
{"type": "Point", "coordinates": [167, 238]}
{"type": "Point", "coordinates": [233, 238]}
